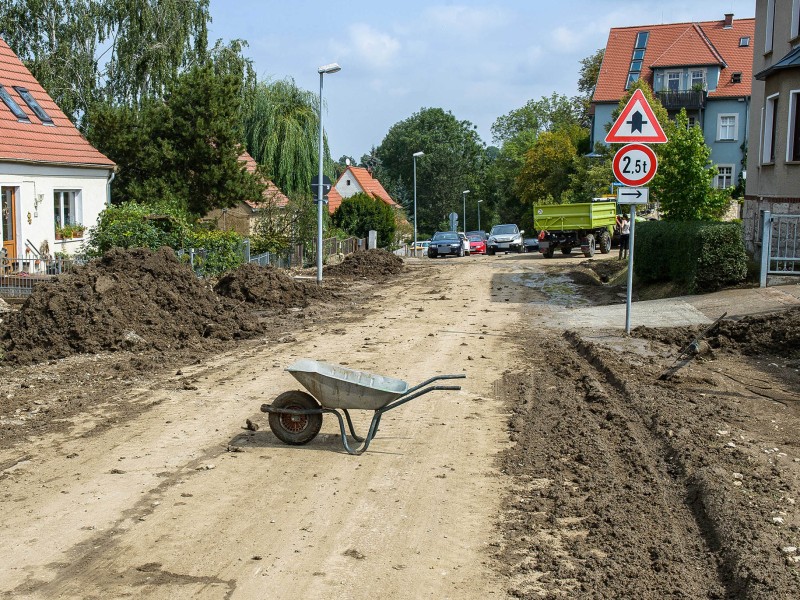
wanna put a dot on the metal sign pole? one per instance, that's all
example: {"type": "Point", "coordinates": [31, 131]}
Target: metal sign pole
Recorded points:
{"type": "Point", "coordinates": [630, 271]}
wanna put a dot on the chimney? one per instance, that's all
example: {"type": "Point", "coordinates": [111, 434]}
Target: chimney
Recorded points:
{"type": "Point", "coordinates": [728, 23]}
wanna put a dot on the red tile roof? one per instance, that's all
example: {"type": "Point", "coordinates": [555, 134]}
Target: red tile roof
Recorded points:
{"type": "Point", "coordinates": [680, 44]}
{"type": "Point", "coordinates": [369, 184]}
{"type": "Point", "coordinates": [334, 200]}
{"type": "Point", "coordinates": [272, 193]}
{"type": "Point", "coordinates": [35, 142]}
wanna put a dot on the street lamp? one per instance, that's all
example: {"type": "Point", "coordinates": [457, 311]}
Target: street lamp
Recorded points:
{"type": "Point", "coordinates": [479, 214]}
{"type": "Point", "coordinates": [331, 68]}
{"type": "Point", "coordinates": [464, 222]}
{"type": "Point", "coordinates": [414, 158]}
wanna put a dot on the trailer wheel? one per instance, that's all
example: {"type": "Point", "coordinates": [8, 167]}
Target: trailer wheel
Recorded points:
{"type": "Point", "coordinates": [605, 243]}
{"type": "Point", "coordinates": [295, 430]}
{"type": "Point", "coordinates": [490, 251]}
{"type": "Point", "coordinates": [588, 246]}
{"type": "Point", "coordinates": [566, 249]}
{"type": "Point", "coordinates": [549, 252]}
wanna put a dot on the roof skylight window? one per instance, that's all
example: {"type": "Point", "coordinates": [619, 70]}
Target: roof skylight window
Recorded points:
{"type": "Point", "coordinates": [12, 104]}
{"type": "Point", "coordinates": [744, 41]}
{"type": "Point", "coordinates": [34, 105]}
{"type": "Point", "coordinates": [641, 39]}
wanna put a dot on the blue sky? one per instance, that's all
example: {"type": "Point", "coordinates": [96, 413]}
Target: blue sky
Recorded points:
{"type": "Point", "coordinates": [478, 59]}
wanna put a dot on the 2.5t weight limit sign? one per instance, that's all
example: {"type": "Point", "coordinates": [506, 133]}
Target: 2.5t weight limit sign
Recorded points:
{"type": "Point", "coordinates": [635, 164]}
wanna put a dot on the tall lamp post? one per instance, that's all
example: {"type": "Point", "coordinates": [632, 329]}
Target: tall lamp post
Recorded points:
{"type": "Point", "coordinates": [464, 222]}
{"type": "Point", "coordinates": [479, 214]}
{"type": "Point", "coordinates": [414, 158]}
{"type": "Point", "coordinates": [323, 70]}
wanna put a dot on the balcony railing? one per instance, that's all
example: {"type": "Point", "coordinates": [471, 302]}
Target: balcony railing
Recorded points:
{"type": "Point", "coordinates": [691, 100]}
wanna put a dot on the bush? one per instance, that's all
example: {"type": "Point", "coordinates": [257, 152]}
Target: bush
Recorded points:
{"type": "Point", "coordinates": [703, 256]}
{"type": "Point", "coordinates": [134, 225]}
{"type": "Point", "coordinates": [223, 251]}
{"type": "Point", "coordinates": [361, 213]}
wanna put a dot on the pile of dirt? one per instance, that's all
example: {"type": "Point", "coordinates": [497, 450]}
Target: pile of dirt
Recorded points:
{"type": "Point", "coordinates": [606, 270]}
{"type": "Point", "coordinates": [130, 299]}
{"type": "Point", "coordinates": [268, 287]}
{"type": "Point", "coordinates": [774, 334]}
{"type": "Point", "coordinates": [373, 264]}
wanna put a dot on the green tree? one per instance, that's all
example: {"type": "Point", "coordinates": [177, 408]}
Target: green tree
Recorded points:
{"type": "Point", "coordinates": [184, 150]}
{"type": "Point", "coordinates": [546, 114]}
{"type": "Point", "coordinates": [682, 183]}
{"type": "Point", "coordinates": [361, 213]}
{"type": "Point", "coordinates": [587, 81]}
{"type": "Point", "coordinates": [453, 162]}
{"type": "Point", "coordinates": [115, 51]}
{"type": "Point", "coordinates": [545, 175]}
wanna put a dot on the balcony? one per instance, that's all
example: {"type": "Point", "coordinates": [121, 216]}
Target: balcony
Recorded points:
{"type": "Point", "coordinates": [691, 100]}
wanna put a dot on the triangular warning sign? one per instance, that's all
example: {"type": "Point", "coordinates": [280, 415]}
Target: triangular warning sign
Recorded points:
{"type": "Point", "coordinates": [636, 123]}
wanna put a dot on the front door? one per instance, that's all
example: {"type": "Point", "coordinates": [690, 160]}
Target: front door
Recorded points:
{"type": "Point", "coordinates": [8, 215]}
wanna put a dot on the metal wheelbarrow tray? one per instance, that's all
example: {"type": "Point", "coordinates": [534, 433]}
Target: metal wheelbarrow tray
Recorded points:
{"type": "Point", "coordinates": [295, 417]}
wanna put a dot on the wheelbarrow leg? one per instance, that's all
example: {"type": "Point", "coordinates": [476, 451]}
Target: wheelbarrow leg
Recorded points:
{"type": "Point", "coordinates": [373, 428]}
{"type": "Point", "coordinates": [350, 426]}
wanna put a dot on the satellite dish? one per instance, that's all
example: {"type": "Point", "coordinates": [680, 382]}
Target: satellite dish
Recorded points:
{"type": "Point", "coordinates": [347, 161]}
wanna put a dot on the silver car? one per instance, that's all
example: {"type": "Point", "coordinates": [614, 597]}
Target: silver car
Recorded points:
{"type": "Point", "coordinates": [505, 238]}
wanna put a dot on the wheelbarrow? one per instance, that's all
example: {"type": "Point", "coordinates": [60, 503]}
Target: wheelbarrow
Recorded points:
{"type": "Point", "coordinates": [295, 417]}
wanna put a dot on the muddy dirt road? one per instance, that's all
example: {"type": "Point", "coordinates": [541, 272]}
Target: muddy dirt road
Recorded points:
{"type": "Point", "coordinates": [553, 473]}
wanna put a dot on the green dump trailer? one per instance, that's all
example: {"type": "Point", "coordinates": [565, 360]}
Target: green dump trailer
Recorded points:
{"type": "Point", "coordinates": [589, 225]}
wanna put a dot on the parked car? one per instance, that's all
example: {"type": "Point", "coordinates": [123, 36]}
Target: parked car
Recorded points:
{"type": "Point", "coordinates": [422, 246]}
{"type": "Point", "coordinates": [479, 232]}
{"type": "Point", "coordinates": [465, 241]}
{"type": "Point", "coordinates": [444, 243]}
{"type": "Point", "coordinates": [477, 243]}
{"type": "Point", "coordinates": [531, 244]}
{"type": "Point", "coordinates": [505, 238]}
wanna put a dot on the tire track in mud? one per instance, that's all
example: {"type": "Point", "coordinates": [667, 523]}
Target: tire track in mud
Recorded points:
{"type": "Point", "coordinates": [602, 508]}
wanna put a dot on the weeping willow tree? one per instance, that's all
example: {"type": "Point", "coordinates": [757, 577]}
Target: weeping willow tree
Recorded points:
{"type": "Point", "coordinates": [111, 51]}
{"type": "Point", "coordinates": [282, 133]}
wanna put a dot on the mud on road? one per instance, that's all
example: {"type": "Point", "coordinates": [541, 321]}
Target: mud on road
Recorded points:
{"type": "Point", "coordinates": [573, 464]}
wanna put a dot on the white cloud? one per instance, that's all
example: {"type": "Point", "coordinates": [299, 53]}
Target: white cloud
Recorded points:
{"type": "Point", "coordinates": [370, 46]}
{"type": "Point", "coordinates": [464, 19]}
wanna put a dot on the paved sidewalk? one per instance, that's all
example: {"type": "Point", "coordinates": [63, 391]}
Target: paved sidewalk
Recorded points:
{"type": "Point", "coordinates": [675, 312]}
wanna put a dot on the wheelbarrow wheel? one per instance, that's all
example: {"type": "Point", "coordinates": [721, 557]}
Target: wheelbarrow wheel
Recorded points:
{"type": "Point", "coordinates": [295, 429]}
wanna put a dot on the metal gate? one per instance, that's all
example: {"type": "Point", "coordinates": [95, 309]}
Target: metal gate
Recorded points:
{"type": "Point", "coordinates": [780, 246]}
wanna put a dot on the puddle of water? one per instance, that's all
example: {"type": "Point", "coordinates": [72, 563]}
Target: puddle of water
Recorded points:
{"type": "Point", "coordinates": [556, 289]}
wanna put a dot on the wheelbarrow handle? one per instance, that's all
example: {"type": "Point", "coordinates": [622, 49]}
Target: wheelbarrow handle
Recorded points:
{"type": "Point", "coordinates": [437, 378]}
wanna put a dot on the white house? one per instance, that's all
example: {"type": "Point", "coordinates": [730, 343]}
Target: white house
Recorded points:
{"type": "Point", "coordinates": [52, 181]}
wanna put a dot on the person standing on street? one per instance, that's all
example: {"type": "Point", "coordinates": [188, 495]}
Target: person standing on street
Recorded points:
{"type": "Point", "coordinates": [624, 237]}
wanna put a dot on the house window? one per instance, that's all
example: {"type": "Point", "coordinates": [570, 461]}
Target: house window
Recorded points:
{"type": "Point", "coordinates": [13, 106]}
{"type": "Point", "coordinates": [674, 81]}
{"type": "Point", "coordinates": [638, 54]}
{"type": "Point", "coordinates": [726, 128]}
{"type": "Point", "coordinates": [699, 79]}
{"type": "Point", "coordinates": [736, 77]}
{"type": "Point", "coordinates": [744, 41]}
{"type": "Point", "coordinates": [692, 122]}
{"type": "Point", "coordinates": [636, 66]}
{"type": "Point", "coordinates": [724, 177]}
{"type": "Point", "coordinates": [34, 105]}
{"type": "Point", "coordinates": [631, 78]}
{"type": "Point", "coordinates": [348, 182]}
{"type": "Point", "coordinates": [641, 40]}
{"type": "Point", "coordinates": [795, 26]}
{"type": "Point", "coordinates": [770, 123]}
{"type": "Point", "coordinates": [67, 207]}
{"type": "Point", "coordinates": [770, 26]}
{"type": "Point", "coordinates": [793, 146]}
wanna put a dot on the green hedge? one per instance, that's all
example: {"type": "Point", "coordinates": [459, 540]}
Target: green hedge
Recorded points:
{"type": "Point", "coordinates": [703, 256]}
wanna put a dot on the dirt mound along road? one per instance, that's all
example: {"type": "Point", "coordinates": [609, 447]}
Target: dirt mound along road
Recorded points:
{"type": "Point", "coordinates": [129, 299]}
{"type": "Point", "coordinates": [268, 287]}
{"type": "Point", "coordinates": [372, 264]}
{"type": "Point", "coordinates": [772, 334]}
